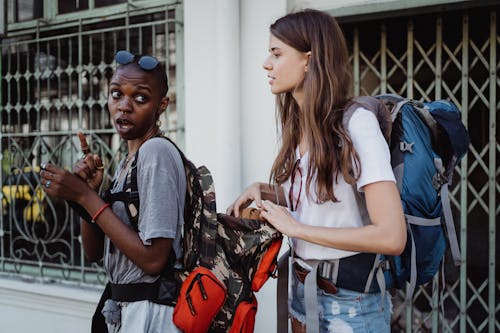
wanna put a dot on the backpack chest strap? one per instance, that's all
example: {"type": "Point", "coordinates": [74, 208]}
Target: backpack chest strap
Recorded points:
{"type": "Point", "coordinates": [129, 195]}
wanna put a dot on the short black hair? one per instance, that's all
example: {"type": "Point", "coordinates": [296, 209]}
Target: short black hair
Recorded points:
{"type": "Point", "coordinates": [158, 73]}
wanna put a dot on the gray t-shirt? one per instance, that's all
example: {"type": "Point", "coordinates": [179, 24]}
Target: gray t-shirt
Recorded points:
{"type": "Point", "coordinates": [161, 181]}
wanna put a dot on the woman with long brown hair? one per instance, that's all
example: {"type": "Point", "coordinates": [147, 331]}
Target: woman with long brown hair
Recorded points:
{"type": "Point", "coordinates": [322, 170]}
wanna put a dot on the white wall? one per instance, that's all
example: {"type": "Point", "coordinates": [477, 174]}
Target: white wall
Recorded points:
{"type": "Point", "coordinates": [211, 30]}
{"type": "Point", "coordinates": [258, 122]}
{"type": "Point", "coordinates": [230, 122]}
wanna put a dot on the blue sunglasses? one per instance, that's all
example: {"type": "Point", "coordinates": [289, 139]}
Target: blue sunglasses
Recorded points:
{"type": "Point", "coordinates": [146, 63]}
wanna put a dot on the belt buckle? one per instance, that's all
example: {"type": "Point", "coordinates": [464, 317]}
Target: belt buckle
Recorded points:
{"type": "Point", "coordinates": [323, 283]}
{"type": "Point", "coordinates": [327, 285]}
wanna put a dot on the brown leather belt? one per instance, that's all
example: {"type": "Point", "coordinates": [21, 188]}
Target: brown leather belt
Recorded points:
{"type": "Point", "coordinates": [323, 283]}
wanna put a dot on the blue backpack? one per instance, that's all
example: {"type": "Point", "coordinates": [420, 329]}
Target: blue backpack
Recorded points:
{"type": "Point", "coordinates": [427, 141]}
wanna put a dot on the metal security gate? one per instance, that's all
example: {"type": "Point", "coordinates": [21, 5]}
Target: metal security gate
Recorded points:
{"type": "Point", "coordinates": [454, 56]}
{"type": "Point", "coordinates": [55, 79]}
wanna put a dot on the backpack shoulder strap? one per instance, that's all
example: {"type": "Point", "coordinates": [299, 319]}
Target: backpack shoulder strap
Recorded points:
{"type": "Point", "coordinates": [374, 105]}
{"type": "Point", "coordinates": [129, 196]}
{"type": "Point", "coordinates": [132, 192]}
{"type": "Point", "coordinates": [200, 214]}
{"type": "Point", "coordinates": [207, 217]}
{"type": "Point", "coordinates": [450, 225]}
{"type": "Point", "coordinates": [282, 292]}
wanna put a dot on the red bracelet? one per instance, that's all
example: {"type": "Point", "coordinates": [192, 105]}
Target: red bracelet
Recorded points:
{"type": "Point", "coordinates": [96, 215]}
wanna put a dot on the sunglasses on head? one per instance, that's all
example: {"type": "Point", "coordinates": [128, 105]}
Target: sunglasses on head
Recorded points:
{"type": "Point", "coordinates": [146, 62]}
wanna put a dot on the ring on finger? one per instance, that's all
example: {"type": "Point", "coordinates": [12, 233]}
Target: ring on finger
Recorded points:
{"type": "Point", "coordinates": [47, 184]}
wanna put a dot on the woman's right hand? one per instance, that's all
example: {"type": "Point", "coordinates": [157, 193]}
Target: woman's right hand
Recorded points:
{"type": "Point", "coordinates": [90, 167]}
{"type": "Point", "coordinates": [252, 193]}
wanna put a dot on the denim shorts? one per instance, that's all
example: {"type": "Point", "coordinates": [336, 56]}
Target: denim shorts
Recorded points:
{"type": "Point", "coordinates": [345, 311]}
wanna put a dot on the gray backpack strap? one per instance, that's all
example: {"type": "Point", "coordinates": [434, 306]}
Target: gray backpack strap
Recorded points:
{"type": "Point", "coordinates": [397, 108]}
{"type": "Point", "coordinates": [441, 183]}
{"type": "Point", "coordinates": [428, 119]}
{"type": "Point", "coordinates": [381, 282]}
{"type": "Point", "coordinates": [376, 265]}
{"type": "Point", "coordinates": [415, 220]}
{"type": "Point", "coordinates": [282, 293]}
{"type": "Point", "coordinates": [377, 271]}
{"type": "Point", "coordinates": [374, 105]}
{"type": "Point", "coordinates": [311, 298]}
{"type": "Point", "coordinates": [450, 226]}
{"type": "Point", "coordinates": [413, 265]}
{"type": "Point", "coordinates": [398, 171]}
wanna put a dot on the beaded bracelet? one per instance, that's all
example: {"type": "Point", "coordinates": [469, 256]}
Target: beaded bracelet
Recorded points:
{"type": "Point", "coordinates": [96, 215]}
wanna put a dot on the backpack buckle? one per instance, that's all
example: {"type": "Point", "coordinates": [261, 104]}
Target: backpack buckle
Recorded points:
{"type": "Point", "coordinates": [439, 177]}
{"type": "Point", "coordinates": [406, 146]}
{"type": "Point", "coordinates": [438, 180]}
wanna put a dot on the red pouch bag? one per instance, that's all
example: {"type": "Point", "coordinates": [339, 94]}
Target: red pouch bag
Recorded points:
{"type": "Point", "coordinates": [201, 297]}
{"type": "Point", "coordinates": [267, 265]}
{"type": "Point", "coordinates": [244, 317]}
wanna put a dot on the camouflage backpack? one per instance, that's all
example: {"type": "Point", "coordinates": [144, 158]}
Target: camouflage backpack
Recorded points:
{"type": "Point", "coordinates": [225, 259]}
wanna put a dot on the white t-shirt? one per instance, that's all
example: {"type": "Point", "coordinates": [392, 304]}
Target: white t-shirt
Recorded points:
{"type": "Point", "coordinates": [374, 157]}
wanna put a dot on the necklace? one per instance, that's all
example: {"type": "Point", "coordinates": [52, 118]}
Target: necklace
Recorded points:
{"type": "Point", "coordinates": [131, 155]}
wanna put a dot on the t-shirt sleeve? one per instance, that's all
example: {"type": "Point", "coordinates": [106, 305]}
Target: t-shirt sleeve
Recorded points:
{"type": "Point", "coordinates": [371, 147]}
{"type": "Point", "coordinates": [161, 183]}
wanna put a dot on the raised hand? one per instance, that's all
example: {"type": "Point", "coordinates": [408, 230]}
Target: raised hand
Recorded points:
{"type": "Point", "coordinates": [62, 183]}
{"type": "Point", "coordinates": [90, 167]}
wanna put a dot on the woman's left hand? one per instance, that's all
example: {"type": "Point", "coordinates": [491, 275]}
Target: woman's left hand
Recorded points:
{"type": "Point", "coordinates": [62, 183]}
{"type": "Point", "coordinates": [280, 218]}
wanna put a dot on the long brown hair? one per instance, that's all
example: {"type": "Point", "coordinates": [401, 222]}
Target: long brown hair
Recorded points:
{"type": "Point", "coordinates": [326, 88]}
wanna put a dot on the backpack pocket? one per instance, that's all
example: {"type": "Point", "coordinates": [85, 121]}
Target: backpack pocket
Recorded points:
{"type": "Point", "coordinates": [430, 247]}
{"type": "Point", "coordinates": [267, 265]}
{"type": "Point", "coordinates": [244, 317]}
{"type": "Point", "coordinates": [201, 297]}
{"type": "Point", "coordinates": [427, 245]}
